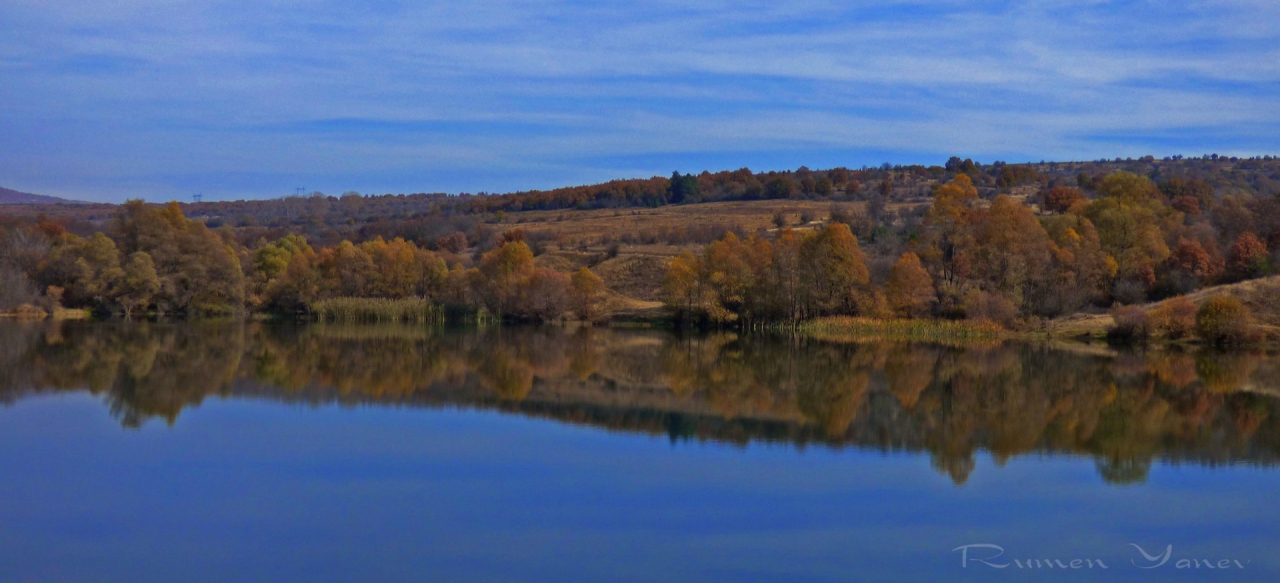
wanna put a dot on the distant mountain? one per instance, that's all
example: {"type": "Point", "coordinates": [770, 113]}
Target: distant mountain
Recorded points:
{"type": "Point", "coordinates": [14, 197]}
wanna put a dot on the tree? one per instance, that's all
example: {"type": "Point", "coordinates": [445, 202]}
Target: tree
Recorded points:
{"type": "Point", "coordinates": [1013, 255]}
{"type": "Point", "coordinates": [273, 258]}
{"type": "Point", "coordinates": [909, 289]}
{"type": "Point", "coordinates": [824, 186]}
{"type": "Point", "coordinates": [86, 268]}
{"type": "Point", "coordinates": [681, 286]}
{"type": "Point", "coordinates": [544, 295]}
{"type": "Point", "coordinates": [1193, 260]}
{"type": "Point", "coordinates": [1059, 199]}
{"type": "Point", "coordinates": [780, 186]}
{"type": "Point", "coordinates": [1130, 218]}
{"type": "Point", "coordinates": [1247, 258]}
{"type": "Point", "coordinates": [684, 187]}
{"type": "Point", "coordinates": [832, 269]}
{"type": "Point", "coordinates": [587, 289]}
{"type": "Point", "coordinates": [139, 283]}
{"type": "Point", "coordinates": [455, 242]}
{"type": "Point", "coordinates": [947, 236]}
{"type": "Point", "coordinates": [199, 271]}
{"type": "Point", "coordinates": [501, 274]}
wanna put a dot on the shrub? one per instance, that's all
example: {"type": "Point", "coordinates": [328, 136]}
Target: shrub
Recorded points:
{"type": "Point", "coordinates": [1129, 323]}
{"type": "Point", "coordinates": [1224, 320]}
{"type": "Point", "coordinates": [980, 305]}
{"type": "Point", "coordinates": [1175, 318]}
{"type": "Point", "coordinates": [29, 312]}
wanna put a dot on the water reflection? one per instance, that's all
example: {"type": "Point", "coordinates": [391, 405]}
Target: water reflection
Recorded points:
{"type": "Point", "coordinates": [1125, 410]}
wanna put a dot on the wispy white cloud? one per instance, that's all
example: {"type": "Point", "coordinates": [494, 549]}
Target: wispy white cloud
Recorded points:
{"type": "Point", "coordinates": [239, 98]}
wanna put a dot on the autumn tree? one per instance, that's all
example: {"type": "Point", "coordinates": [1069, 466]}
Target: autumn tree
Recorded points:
{"type": "Point", "coordinates": [1013, 255]}
{"type": "Point", "coordinates": [1060, 199]}
{"type": "Point", "coordinates": [948, 236]}
{"type": "Point", "coordinates": [1191, 265]}
{"type": "Point", "coordinates": [1247, 258]}
{"type": "Point", "coordinates": [587, 289]}
{"type": "Point", "coordinates": [138, 283]}
{"type": "Point", "coordinates": [1130, 219]}
{"type": "Point", "coordinates": [88, 269]}
{"type": "Point", "coordinates": [682, 286]}
{"type": "Point", "coordinates": [199, 271]}
{"type": "Point", "coordinates": [544, 295]}
{"type": "Point", "coordinates": [909, 289]}
{"type": "Point", "coordinates": [832, 269]}
{"type": "Point", "coordinates": [500, 275]}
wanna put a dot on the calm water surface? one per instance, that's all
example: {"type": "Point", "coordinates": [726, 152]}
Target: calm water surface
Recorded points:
{"type": "Point", "coordinates": [251, 452]}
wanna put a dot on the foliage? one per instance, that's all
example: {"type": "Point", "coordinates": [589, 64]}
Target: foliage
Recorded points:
{"type": "Point", "coordinates": [909, 289]}
{"type": "Point", "coordinates": [1247, 258]}
{"type": "Point", "coordinates": [1129, 323]}
{"type": "Point", "coordinates": [1224, 320]}
{"type": "Point", "coordinates": [1174, 318]}
{"type": "Point", "coordinates": [587, 290]}
{"type": "Point", "coordinates": [753, 280]}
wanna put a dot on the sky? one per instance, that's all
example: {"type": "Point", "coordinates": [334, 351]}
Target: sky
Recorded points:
{"type": "Point", "coordinates": [162, 99]}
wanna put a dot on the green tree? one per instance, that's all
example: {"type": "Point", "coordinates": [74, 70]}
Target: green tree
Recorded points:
{"type": "Point", "coordinates": [138, 284]}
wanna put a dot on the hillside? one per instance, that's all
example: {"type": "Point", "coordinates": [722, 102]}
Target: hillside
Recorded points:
{"type": "Point", "coordinates": [1261, 296]}
{"type": "Point", "coordinates": [1016, 244]}
{"type": "Point", "coordinates": [9, 196]}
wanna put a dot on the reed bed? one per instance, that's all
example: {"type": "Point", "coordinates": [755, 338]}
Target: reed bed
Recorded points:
{"type": "Point", "coordinates": [846, 328]}
{"type": "Point", "coordinates": [356, 310]}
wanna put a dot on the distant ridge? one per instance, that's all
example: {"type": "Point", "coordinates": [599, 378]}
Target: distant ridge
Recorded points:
{"type": "Point", "coordinates": [8, 196]}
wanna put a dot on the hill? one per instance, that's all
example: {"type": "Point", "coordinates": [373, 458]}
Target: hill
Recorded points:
{"type": "Point", "coordinates": [1261, 296]}
{"type": "Point", "coordinates": [9, 196]}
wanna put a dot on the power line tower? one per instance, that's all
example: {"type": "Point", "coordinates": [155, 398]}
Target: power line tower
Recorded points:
{"type": "Point", "coordinates": [299, 190]}
{"type": "Point", "coordinates": [197, 197]}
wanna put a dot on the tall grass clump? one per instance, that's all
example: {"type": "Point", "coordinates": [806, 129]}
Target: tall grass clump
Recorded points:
{"type": "Point", "coordinates": [352, 310]}
{"type": "Point", "coordinates": [953, 332]}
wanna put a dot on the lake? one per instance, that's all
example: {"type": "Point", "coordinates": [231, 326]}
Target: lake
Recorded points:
{"type": "Point", "coordinates": [216, 451]}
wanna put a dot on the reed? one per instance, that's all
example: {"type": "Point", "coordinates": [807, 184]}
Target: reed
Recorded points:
{"type": "Point", "coordinates": [846, 328]}
{"type": "Point", "coordinates": [352, 310]}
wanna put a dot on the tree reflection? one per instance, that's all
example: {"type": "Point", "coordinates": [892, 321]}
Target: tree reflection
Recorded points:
{"type": "Point", "coordinates": [1122, 409]}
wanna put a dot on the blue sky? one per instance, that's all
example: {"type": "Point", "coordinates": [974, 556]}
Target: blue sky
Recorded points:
{"type": "Point", "coordinates": [247, 99]}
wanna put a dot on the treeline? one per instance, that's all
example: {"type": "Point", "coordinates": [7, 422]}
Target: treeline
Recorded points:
{"type": "Point", "coordinates": [1126, 242]}
{"type": "Point", "coordinates": [156, 260]}
{"type": "Point", "coordinates": [426, 219]}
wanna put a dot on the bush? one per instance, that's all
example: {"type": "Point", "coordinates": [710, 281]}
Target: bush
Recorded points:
{"type": "Point", "coordinates": [1130, 323]}
{"type": "Point", "coordinates": [980, 305]}
{"type": "Point", "coordinates": [1224, 320]}
{"type": "Point", "coordinates": [1174, 318]}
